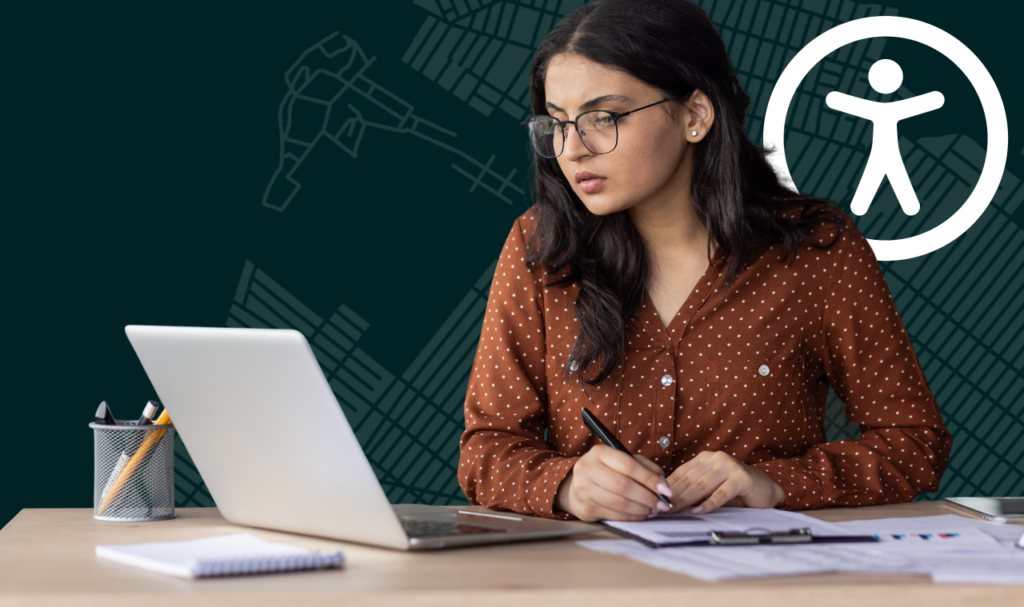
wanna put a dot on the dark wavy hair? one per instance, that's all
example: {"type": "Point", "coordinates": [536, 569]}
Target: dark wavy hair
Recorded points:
{"type": "Point", "coordinates": [673, 46]}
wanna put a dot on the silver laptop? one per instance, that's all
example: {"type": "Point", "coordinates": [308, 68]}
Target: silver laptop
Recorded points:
{"type": "Point", "coordinates": [270, 440]}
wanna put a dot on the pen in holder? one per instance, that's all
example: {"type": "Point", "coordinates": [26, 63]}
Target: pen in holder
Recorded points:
{"type": "Point", "coordinates": [134, 472]}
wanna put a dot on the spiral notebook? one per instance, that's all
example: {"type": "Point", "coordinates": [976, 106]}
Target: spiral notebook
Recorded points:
{"type": "Point", "coordinates": [231, 554]}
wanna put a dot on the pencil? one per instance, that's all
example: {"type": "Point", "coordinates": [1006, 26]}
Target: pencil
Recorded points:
{"type": "Point", "coordinates": [136, 459]}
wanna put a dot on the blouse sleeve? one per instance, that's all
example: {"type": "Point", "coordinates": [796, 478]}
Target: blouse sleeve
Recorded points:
{"type": "Point", "coordinates": [871, 365]}
{"type": "Point", "coordinates": [504, 460]}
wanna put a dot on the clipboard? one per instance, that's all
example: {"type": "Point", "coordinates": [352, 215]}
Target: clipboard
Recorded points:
{"type": "Point", "coordinates": [750, 537]}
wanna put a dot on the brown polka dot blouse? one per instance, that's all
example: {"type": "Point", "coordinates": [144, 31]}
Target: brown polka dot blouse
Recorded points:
{"type": "Point", "coordinates": [747, 374]}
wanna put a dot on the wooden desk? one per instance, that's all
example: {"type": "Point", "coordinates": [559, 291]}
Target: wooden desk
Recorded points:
{"type": "Point", "coordinates": [47, 558]}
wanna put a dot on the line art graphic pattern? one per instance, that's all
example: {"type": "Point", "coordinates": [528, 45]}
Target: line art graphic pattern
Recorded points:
{"type": "Point", "coordinates": [960, 304]}
{"type": "Point", "coordinates": [970, 351]}
{"type": "Point", "coordinates": [404, 423]}
{"type": "Point", "coordinates": [828, 152]}
{"type": "Point", "coordinates": [481, 50]}
{"type": "Point", "coordinates": [331, 101]}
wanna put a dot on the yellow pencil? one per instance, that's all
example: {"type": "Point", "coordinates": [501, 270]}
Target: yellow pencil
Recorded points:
{"type": "Point", "coordinates": [136, 459]}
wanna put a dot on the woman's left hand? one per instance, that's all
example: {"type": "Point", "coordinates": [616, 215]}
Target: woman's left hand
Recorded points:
{"type": "Point", "coordinates": [715, 478]}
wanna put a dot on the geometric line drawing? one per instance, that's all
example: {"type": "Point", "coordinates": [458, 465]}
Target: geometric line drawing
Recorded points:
{"type": "Point", "coordinates": [330, 100]}
{"type": "Point", "coordinates": [961, 319]}
{"type": "Point", "coordinates": [457, 48]}
{"type": "Point", "coordinates": [763, 37]}
{"type": "Point", "coordinates": [959, 305]}
{"type": "Point", "coordinates": [964, 322]}
{"type": "Point", "coordinates": [963, 303]}
{"type": "Point", "coordinates": [481, 50]}
{"type": "Point", "coordinates": [189, 489]}
{"type": "Point", "coordinates": [837, 425]}
{"type": "Point", "coordinates": [961, 328]}
{"type": "Point", "coordinates": [408, 424]}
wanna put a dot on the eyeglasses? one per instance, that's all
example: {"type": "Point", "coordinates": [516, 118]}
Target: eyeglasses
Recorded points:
{"type": "Point", "coordinates": [598, 129]}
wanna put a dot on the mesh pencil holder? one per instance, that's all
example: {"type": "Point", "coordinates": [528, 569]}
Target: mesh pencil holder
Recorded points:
{"type": "Point", "coordinates": [134, 472]}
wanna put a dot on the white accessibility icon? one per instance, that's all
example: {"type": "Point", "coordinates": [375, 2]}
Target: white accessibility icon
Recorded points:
{"type": "Point", "coordinates": [885, 77]}
{"type": "Point", "coordinates": [884, 160]}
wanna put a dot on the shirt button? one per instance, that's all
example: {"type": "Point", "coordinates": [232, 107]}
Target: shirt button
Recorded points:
{"type": "Point", "coordinates": [574, 365]}
{"type": "Point", "coordinates": [764, 370]}
{"type": "Point", "coordinates": [663, 442]}
{"type": "Point", "coordinates": [666, 380]}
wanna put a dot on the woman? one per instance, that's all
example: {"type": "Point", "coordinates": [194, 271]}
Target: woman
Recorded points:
{"type": "Point", "coordinates": [669, 283]}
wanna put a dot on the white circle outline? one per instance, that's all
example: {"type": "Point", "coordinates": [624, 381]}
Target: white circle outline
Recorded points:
{"type": "Point", "coordinates": [961, 56]}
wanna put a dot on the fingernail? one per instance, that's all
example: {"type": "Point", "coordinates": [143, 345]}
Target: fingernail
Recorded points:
{"type": "Point", "coordinates": [664, 490]}
{"type": "Point", "coordinates": [662, 506]}
{"type": "Point", "coordinates": [697, 510]}
{"type": "Point", "coordinates": [654, 512]}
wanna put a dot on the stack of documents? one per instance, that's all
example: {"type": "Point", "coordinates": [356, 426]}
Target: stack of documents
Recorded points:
{"type": "Point", "coordinates": [952, 549]}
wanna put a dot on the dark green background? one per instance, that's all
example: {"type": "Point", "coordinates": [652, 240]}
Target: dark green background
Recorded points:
{"type": "Point", "coordinates": [140, 141]}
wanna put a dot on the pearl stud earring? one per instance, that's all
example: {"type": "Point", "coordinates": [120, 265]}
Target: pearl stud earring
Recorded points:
{"type": "Point", "coordinates": [694, 133]}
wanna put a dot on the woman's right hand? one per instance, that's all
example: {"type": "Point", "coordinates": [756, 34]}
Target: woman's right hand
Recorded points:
{"type": "Point", "coordinates": [607, 484]}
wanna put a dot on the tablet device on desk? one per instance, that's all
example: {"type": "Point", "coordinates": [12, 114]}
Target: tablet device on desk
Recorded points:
{"type": "Point", "coordinates": [1001, 509]}
{"type": "Point", "coordinates": [276, 451]}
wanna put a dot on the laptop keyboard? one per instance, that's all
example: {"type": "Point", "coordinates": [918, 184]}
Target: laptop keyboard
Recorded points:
{"type": "Point", "coordinates": [427, 528]}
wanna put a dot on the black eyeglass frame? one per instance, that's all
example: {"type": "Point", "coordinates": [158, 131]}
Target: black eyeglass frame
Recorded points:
{"type": "Point", "coordinates": [565, 134]}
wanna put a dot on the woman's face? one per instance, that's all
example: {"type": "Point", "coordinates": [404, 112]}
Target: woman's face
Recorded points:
{"type": "Point", "coordinates": [652, 158]}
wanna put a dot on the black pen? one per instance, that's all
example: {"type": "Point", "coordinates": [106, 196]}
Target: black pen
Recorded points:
{"type": "Point", "coordinates": [609, 439]}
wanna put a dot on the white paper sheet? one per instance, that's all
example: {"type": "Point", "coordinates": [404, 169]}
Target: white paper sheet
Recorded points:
{"type": "Point", "coordinates": [714, 563]}
{"type": "Point", "coordinates": [979, 552]}
{"type": "Point", "coordinates": [932, 540]}
{"type": "Point", "coordinates": [1002, 565]}
{"type": "Point", "coordinates": [1006, 535]}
